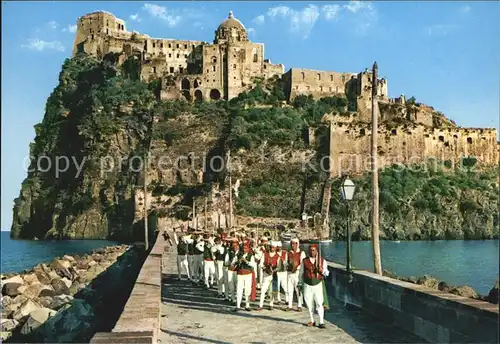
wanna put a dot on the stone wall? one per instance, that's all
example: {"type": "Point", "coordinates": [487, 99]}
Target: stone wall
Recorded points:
{"type": "Point", "coordinates": [433, 315]}
{"type": "Point", "coordinates": [350, 146]}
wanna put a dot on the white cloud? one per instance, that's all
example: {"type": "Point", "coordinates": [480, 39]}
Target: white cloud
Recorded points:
{"type": "Point", "coordinates": [331, 11]}
{"type": "Point", "coordinates": [259, 20]}
{"type": "Point", "coordinates": [251, 30]}
{"type": "Point", "coordinates": [40, 45]}
{"type": "Point", "coordinates": [135, 17]}
{"type": "Point", "coordinates": [356, 5]}
{"type": "Point", "coordinates": [53, 24]}
{"type": "Point", "coordinates": [301, 21]}
{"type": "Point", "coordinates": [440, 29]}
{"type": "Point", "coordinates": [465, 9]}
{"type": "Point", "coordinates": [70, 28]}
{"type": "Point", "coordinates": [162, 13]}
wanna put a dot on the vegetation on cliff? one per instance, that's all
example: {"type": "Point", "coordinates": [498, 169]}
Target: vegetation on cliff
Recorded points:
{"type": "Point", "coordinates": [98, 110]}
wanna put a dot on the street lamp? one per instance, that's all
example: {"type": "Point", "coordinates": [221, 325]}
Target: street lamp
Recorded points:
{"type": "Point", "coordinates": [347, 192]}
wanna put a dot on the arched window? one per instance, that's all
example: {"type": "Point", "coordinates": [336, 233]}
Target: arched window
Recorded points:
{"type": "Point", "coordinates": [319, 76]}
{"type": "Point", "coordinates": [303, 75]}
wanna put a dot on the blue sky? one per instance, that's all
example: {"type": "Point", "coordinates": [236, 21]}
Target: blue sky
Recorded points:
{"type": "Point", "coordinates": [446, 54]}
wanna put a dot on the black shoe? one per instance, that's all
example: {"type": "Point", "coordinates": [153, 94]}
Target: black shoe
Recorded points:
{"type": "Point", "coordinates": [236, 309]}
{"type": "Point", "coordinates": [248, 309]}
{"type": "Point", "coordinates": [321, 326]}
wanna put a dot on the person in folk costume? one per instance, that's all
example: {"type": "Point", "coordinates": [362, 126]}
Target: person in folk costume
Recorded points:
{"type": "Point", "coordinates": [219, 252]}
{"type": "Point", "coordinates": [198, 259]}
{"type": "Point", "coordinates": [245, 277]}
{"type": "Point", "coordinates": [282, 273]}
{"type": "Point", "coordinates": [269, 281]}
{"type": "Point", "coordinates": [230, 261]}
{"type": "Point", "coordinates": [259, 255]}
{"type": "Point", "coordinates": [313, 269]}
{"type": "Point", "coordinates": [190, 247]}
{"type": "Point", "coordinates": [295, 258]}
{"type": "Point", "coordinates": [208, 262]}
{"type": "Point", "coordinates": [182, 254]}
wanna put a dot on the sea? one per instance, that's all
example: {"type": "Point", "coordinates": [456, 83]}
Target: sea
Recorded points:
{"type": "Point", "coordinates": [457, 262]}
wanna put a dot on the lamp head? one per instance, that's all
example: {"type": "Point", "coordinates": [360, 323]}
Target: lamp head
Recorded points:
{"type": "Point", "coordinates": [347, 189]}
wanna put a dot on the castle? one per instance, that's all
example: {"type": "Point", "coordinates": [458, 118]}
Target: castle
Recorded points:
{"type": "Point", "coordinates": [199, 70]}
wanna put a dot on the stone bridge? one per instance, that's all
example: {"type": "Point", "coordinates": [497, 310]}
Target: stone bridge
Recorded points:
{"type": "Point", "coordinates": [370, 308]}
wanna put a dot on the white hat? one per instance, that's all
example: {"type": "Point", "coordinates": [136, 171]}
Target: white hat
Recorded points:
{"type": "Point", "coordinates": [279, 244]}
{"type": "Point", "coordinates": [263, 238]}
{"type": "Point", "coordinates": [274, 243]}
{"type": "Point", "coordinates": [295, 240]}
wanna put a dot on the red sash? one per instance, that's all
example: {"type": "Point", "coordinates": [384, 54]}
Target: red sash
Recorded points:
{"type": "Point", "coordinates": [253, 294]}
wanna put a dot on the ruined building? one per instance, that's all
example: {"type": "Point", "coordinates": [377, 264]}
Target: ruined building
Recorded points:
{"type": "Point", "coordinates": [199, 70]}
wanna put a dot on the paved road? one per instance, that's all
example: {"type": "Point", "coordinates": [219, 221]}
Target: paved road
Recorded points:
{"type": "Point", "coordinates": [192, 314]}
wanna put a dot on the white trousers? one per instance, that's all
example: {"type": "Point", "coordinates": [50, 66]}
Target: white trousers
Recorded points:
{"type": "Point", "coordinates": [282, 283]}
{"type": "Point", "coordinates": [267, 286]}
{"type": "Point", "coordinates": [191, 265]}
{"type": "Point", "coordinates": [293, 282]}
{"type": "Point", "coordinates": [231, 285]}
{"type": "Point", "coordinates": [198, 267]}
{"type": "Point", "coordinates": [219, 276]}
{"type": "Point", "coordinates": [182, 263]}
{"type": "Point", "coordinates": [313, 294]}
{"type": "Point", "coordinates": [244, 284]}
{"type": "Point", "coordinates": [260, 273]}
{"type": "Point", "coordinates": [226, 282]}
{"type": "Point", "coordinates": [209, 272]}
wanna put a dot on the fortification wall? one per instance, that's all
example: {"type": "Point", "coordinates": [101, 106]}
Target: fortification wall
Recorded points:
{"type": "Point", "coordinates": [317, 83]}
{"type": "Point", "coordinates": [350, 146]}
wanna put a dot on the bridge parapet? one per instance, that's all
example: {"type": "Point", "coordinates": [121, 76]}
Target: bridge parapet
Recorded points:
{"type": "Point", "coordinates": [432, 315]}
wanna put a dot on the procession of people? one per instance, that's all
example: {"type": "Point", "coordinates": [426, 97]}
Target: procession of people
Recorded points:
{"type": "Point", "coordinates": [235, 265]}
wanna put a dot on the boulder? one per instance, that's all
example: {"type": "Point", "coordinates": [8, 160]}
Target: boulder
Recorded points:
{"type": "Point", "coordinates": [6, 300]}
{"type": "Point", "coordinates": [31, 291]}
{"type": "Point", "coordinates": [83, 264]}
{"type": "Point", "coordinates": [92, 263]}
{"type": "Point", "coordinates": [72, 323]}
{"type": "Point", "coordinates": [493, 295]}
{"type": "Point", "coordinates": [69, 258]}
{"type": "Point", "coordinates": [46, 301]}
{"type": "Point", "coordinates": [75, 287]}
{"type": "Point", "coordinates": [31, 278]}
{"type": "Point", "coordinates": [59, 286]}
{"type": "Point", "coordinates": [11, 288]}
{"type": "Point", "coordinates": [13, 279]}
{"type": "Point", "coordinates": [443, 286]}
{"type": "Point", "coordinates": [61, 300]}
{"type": "Point", "coordinates": [47, 290]}
{"type": "Point", "coordinates": [67, 282]}
{"type": "Point", "coordinates": [19, 299]}
{"type": "Point", "coordinates": [5, 335]}
{"type": "Point", "coordinates": [37, 318]}
{"type": "Point", "coordinates": [43, 277]}
{"type": "Point", "coordinates": [9, 325]}
{"type": "Point", "coordinates": [62, 268]}
{"type": "Point", "coordinates": [465, 291]}
{"type": "Point", "coordinates": [428, 281]}
{"type": "Point", "coordinates": [26, 308]}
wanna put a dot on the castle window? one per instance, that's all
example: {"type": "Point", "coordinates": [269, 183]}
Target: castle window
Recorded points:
{"type": "Point", "coordinates": [446, 144]}
{"type": "Point", "coordinates": [214, 59]}
{"type": "Point", "coordinates": [169, 55]}
{"type": "Point", "coordinates": [92, 37]}
{"type": "Point", "coordinates": [441, 138]}
{"type": "Point", "coordinates": [214, 68]}
{"type": "Point", "coordinates": [185, 46]}
{"type": "Point", "coordinates": [455, 136]}
{"type": "Point", "coordinates": [154, 70]}
{"type": "Point", "coordinates": [394, 132]}
{"type": "Point", "coordinates": [154, 45]}
{"type": "Point", "coordinates": [330, 89]}
{"type": "Point", "coordinates": [118, 26]}
{"type": "Point", "coordinates": [181, 69]}
{"type": "Point", "coordinates": [255, 56]}
{"type": "Point", "coordinates": [192, 47]}
{"type": "Point", "coordinates": [107, 22]}
{"type": "Point", "coordinates": [234, 66]}
{"type": "Point", "coordinates": [171, 69]}
{"type": "Point", "coordinates": [185, 55]}
{"type": "Point", "coordinates": [107, 31]}
{"type": "Point", "coordinates": [362, 132]}
{"type": "Point", "coordinates": [469, 140]}
{"type": "Point", "coordinates": [177, 45]}
{"type": "Point", "coordinates": [303, 75]}
{"type": "Point", "coordinates": [161, 45]}
{"type": "Point", "coordinates": [331, 78]}
{"type": "Point", "coordinates": [265, 66]}
{"type": "Point", "coordinates": [177, 55]}
{"type": "Point", "coordinates": [319, 76]}
{"type": "Point", "coordinates": [343, 78]}
{"type": "Point", "coordinates": [169, 45]}
{"type": "Point", "coordinates": [321, 88]}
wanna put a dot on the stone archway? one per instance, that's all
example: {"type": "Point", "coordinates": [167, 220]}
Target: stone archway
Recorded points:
{"type": "Point", "coordinates": [196, 83]}
{"type": "Point", "coordinates": [198, 96]}
{"type": "Point", "coordinates": [186, 95]}
{"type": "Point", "coordinates": [214, 94]}
{"type": "Point", "coordinates": [185, 84]}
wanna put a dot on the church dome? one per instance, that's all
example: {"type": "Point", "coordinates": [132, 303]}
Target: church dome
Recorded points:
{"type": "Point", "coordinates": [231, 22]}
{"type": "Point", "coordinates": [231, 30]}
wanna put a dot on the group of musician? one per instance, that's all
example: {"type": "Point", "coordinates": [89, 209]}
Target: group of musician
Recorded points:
{"type": "Point", "coordinates": [236, 265]}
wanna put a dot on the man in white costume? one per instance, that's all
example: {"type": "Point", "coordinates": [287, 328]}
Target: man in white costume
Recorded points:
{"type": "Point", "coordinates": [209, 262]}
{"type": "Point", "coordinates": [259, 255]}
{"type": "Point", "coordinates": [282, 273]}
{"type": "Point", "coordinates": [182, 255]}
{"type": "Point", "coordinates": [269, 264]}
{"type": "Point", "coordinates": [245, 276]}
{"type": "Point", "coordinates": [219, 253]}
{"type": "Point", "coordinates": [198, 259]}
{"type": "Point", "coordinates": [295, 259]}
{"type": "Point", "coordinates": [313, 269]}
{"type": "Point", "coordinates": [230, 261]}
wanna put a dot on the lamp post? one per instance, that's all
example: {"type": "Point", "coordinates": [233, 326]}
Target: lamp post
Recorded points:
{"type": "Point", "coordinates": [347, 191]}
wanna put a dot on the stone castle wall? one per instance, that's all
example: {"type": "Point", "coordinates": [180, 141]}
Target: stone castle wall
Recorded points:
{"type": "Point", "coordinates": [350, 146]}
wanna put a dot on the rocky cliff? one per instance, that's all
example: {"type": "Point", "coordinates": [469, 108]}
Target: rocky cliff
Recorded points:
{"type": "Point", "coordinates": [103, 116]}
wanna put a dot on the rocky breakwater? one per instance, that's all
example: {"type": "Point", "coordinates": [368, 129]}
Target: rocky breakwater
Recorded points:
{"type": "Point", "coordinates": [61, 300]}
